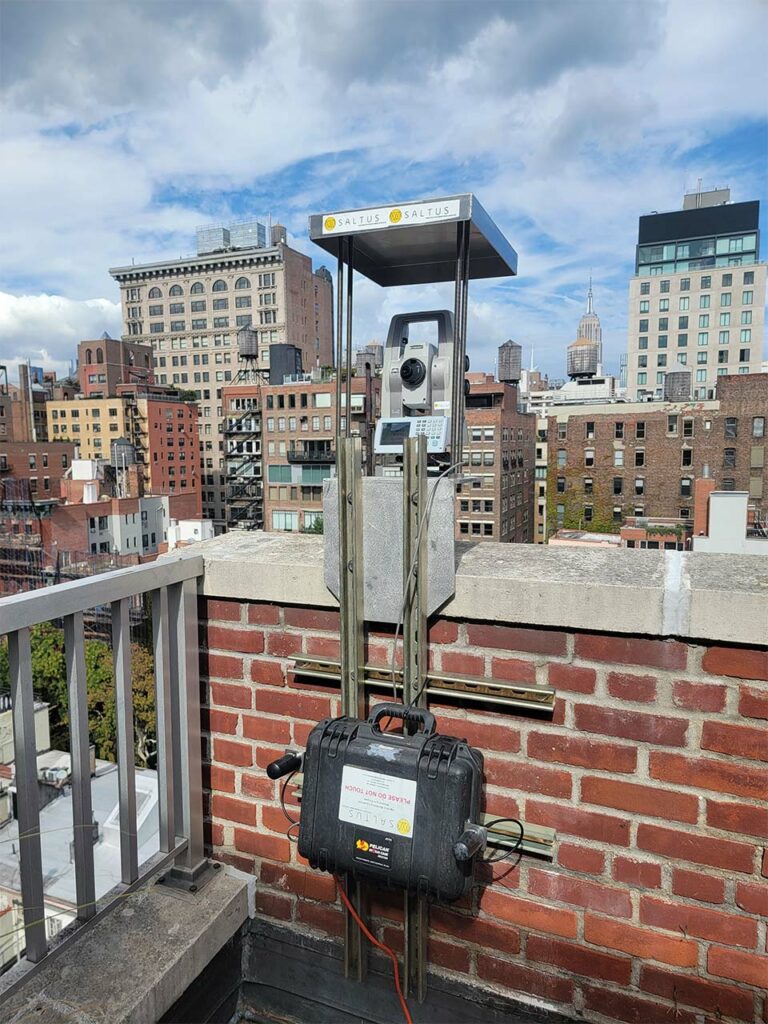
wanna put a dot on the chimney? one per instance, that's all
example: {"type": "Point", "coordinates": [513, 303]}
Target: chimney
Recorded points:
{"type": "Point", "coordinates": [702, 490]}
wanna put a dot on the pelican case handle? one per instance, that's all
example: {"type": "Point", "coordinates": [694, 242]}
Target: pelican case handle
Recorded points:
{"type": "Point", "coordinates": [411, 716]}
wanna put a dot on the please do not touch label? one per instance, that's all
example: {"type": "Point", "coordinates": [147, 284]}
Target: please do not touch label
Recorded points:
{"type": "Point", "coordinates": [382, 802]}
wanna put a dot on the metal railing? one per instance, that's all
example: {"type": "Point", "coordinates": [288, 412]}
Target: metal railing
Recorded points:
{"type": "Point", "coordinates": [173, 588]}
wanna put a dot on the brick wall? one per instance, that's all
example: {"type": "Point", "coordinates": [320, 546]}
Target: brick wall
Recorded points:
{"type": "Point", "coordinates": [653, 772]}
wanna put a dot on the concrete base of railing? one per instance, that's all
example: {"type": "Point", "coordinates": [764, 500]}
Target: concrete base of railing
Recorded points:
{"type": "Point", "coordinates": [133, 964]}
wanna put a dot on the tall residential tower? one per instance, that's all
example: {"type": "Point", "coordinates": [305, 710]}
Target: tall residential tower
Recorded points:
{"type": "Point", "coordinates": [698, 295]}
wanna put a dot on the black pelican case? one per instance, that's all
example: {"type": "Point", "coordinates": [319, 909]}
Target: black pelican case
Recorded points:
{"type": "Point", "coordinates": [390, 806]}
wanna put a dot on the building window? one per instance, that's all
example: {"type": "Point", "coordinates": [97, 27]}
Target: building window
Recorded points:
{"type": "Point", "coordinates": [639, 457]}
{"type": "Point", "coordinates": [642, 362]}
{"type": "Point", "coordinates": [686, 487]}
{"type": "Point", "coordinates": [701, 357]}
{"type": "Point", "coordinates": [744, 355]}
{"type": "Point", "coordinates": [746, 335]}
{"type": "Point", "coordinates": [684, 304]}
{"type": "Point", "coordinates": [672, 426]}
{"type": "Point", "coordinates": [562, 431]}
{"type": "Point", "coordinates": [642, 378]}
{"type": "Point", "coordinates": [639, 485]}
{"type": "Point", "coordinates": [731, 426]}
{"type": "Point", "coordinates": [589, 430]}
{"type": "Point", "coordinates": [561, 457]}
{"type": "Point", "coordinates": [618, 484]}
{"type": "Point", "coordinates": [663, 305]}
{"type": "Point", "coordinates": [663, 323]}
{"type": "Point", "coordinates": [643, 326]}
{"type": "Point", "coordinates": [729, 484]}
{"type": "Point", "coordinates": [642, 342]}
{"type": "Point", "coordinates": [682, 340]}
{"type": "Point", "coordinates": [154, 293]}
{"type": "Point", "coordinates": [722, 356]}
{"type": "Point", "coordinates": [704, 302]}
{"type": "Point", "coordinates": [221, 303]}
{"type": "Point", "coordinates": [617, 513]}
{"type": "Point", "coordinates": [219, 286]}
{"type": "Point", "coordinates": [758, 426]}
{"type": "Point", "coordinates": [662, 341]}
{"type": "Point", "coordinates": [242, 282]}
{"type": "Point", "coordinates": [685, 284]}
{"type": "Point", "coordinates": [588, 485]}
{"type": "Point", "coordinates": [729, 457]}
{"type": "Point", "coordinates": [176, 290]}
{"type": "Point", "coordinates": [746, 316]}
{"type": "Point", "coordinates": [747, 298]}
{"type": "Point", "coordinates": [686, 457]}
{"type": "Point", "coordinates": [588, 513]}
{"type": "Point", "coordinates": [645, 306]}
{"type": "Point", "coordinates": [704, 320]}
{"type": "Point", "coordinates": [706, 281]}
{"type": "Point", "coordinates": [664, 286]}
{"type": "Point", "coordinates": [589, 456]}
{"type": "Point", "coordinates": [682, 323]}
{"type": "Point", "coordinates": [156, 328]}
{"type": "Point", "coordinates": [618, 430]}
{"type": "Point", "coordinates": [177, 325]}
{"type": "Point", "coordinates": [661, 359]}
{"type": "Point", "coordinates": [701, 376]}
{"type": "Point", "coordinates": [645, 288]}
{"type": "Point", "coordinates": [618, 457]}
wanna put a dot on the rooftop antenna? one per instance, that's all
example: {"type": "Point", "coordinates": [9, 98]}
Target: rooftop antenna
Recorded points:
{"type": "Point", "coordinates": [589, 294]}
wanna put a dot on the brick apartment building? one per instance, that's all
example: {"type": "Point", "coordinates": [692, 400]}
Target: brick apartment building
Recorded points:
{"type": "Point", "coordinates": [499, 455]}
{"type": "Point", "coordinates": [189, 311]}
{"type": "Point", "coordinates": [38, 465]}
{"type": "Point", "coordinates": [608, 462]}
{"type": "Point", "coordinates": [105, 363]}
{"type": "Point", "coordinates": [280, 447]}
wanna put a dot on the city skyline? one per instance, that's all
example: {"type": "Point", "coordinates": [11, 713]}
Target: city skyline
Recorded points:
{"type": "Point", "coordinates": [566, 151]}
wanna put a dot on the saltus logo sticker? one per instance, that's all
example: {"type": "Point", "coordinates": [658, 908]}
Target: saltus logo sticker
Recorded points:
{"type": "Point", "coordinates": [396, 216]}
{"type": "Point", "coordinates": [403, 826]}
{"type": "Point", "coordinates": [389, 216]}
{"type": "Point", "coordinates": [329, 223]}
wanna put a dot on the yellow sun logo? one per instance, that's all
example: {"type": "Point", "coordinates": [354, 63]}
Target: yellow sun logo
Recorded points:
{"type": "Point", "coordinates": [396, 216]}
{"type": "Point", "coordinates": [403, 827]}
{"type": "Point", "coordinates": [329, 223]}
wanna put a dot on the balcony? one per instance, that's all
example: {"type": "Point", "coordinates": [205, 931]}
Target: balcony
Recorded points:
{"type": "Point", "coordinates": [311, 455]}
{"type": "Point", "coordinates": [652, 771]}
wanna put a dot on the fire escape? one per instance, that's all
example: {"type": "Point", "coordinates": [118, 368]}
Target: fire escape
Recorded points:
{"type": "Point", "coordinates": [245, 492]}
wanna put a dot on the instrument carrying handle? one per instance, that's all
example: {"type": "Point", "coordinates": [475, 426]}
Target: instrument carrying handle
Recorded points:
{"type": "Point", "coordinates": [408, 714]}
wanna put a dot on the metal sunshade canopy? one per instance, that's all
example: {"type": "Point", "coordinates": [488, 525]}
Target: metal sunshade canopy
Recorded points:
{"type": "Point", "coordinates": [415, 242]}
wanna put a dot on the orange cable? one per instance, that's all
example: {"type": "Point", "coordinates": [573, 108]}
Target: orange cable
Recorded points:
{"type": "Point", "coordinates": [371, 938]}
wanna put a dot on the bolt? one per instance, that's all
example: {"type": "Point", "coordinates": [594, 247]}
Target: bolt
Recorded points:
{"type": "Point", "coordinates": [216, 867]}
{"type": "Point", "coordinates": [161, 879]}
{"type": "Point", "coordinates": [193, 888]}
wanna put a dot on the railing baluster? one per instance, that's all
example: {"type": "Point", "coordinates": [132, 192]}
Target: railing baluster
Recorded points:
{"type": "Point", "coordinates": [82, 811]}
{"type": "Point", "coordinates": [27, 796]}
{"type": "Point", "coordinates": [164, 714]}
{"type": "Point", "coordinates": [126, 760]}
{"type": "Point", "coordinates": [182, 613]}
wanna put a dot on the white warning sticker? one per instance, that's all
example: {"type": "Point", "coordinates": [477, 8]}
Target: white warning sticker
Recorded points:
{"type": "Point", "coordinates": [378, 801]}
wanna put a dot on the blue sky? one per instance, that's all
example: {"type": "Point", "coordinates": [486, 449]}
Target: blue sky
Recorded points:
{"type": "Point", "coordinates": [127, 125]}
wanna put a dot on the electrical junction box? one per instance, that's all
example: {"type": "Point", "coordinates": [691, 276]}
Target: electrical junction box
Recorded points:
{"type": "Point", "coordinates": [390, 806]}
{"type": "Point", "coordinates": [392, 433]}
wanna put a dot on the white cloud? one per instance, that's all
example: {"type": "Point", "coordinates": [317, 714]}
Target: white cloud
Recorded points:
{"type": "Point", "coordinates": [567, 119]}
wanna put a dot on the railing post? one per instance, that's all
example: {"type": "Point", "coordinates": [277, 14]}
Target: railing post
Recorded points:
{"type": "Point", "coordinates": [126, 758]}
{"type": "Point", "coordinates": [185, 671]}
{"type": "Point", "coordinates": [164, 714]}
{"type": "Point", "coordinates": [27, 796]}
{"type": "Point", "coordinates": [82, 811]}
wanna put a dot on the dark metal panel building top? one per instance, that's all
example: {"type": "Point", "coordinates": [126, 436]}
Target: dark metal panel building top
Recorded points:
{"type": "Point", "coordinates": [425, 253]}
{"type": "Point", "coordinates": [730, 218]}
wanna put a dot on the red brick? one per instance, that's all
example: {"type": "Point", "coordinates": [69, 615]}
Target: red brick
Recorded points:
{"type": "Point", "coordinates": [698, 696]}
{"type": "Point", "coordinates": [739, 662]}
{"type": "Point", "coordinates": [483, 734]}
{"type": "Point", "coordinates": [622, 1006]}
{"type": "Point", "coordinates": [312, 885]}
{"type": "Point", "coordinates": [604, 828]}
{"type": "Point", "coordinates": [622, 650]}
{"type": "Point", "coordinates": [292, 704]}
{"type": "Point", "coordinates": [220, 779]}
{"type": "Point", "coordinates": [739, 740]}
{"type": "Point", "coordinates": [257, 785]}
{"type": "Point", "coordinates": [646, 800]}
{"type": "Point", "coordinates": [628, 687]}
{"type": "Point", "coordinates": [500, 805]}
{"type": "Point", "coordinates": [753, 703]}
{"type": "Point", "coordinates": [705, 773]}
{"type": "Point", "coordinates": [322, 647]}
{"type": "Point", "coordinates": [729, 928]}
{"type": "Point", "coordinates": [580, 858]}
{"type": "Point", "coordinates": [222, 610]}
{"type": "Point", "coordinates": [640, 942]}
{"type": "Point", "coordinates": [571, 677]}
{"type": "Point", "coordinates": [215, 830]}
{"type": "Point", "coordinates": [586, 753]}
{"type": "Point", "coordinates": [527, 914]}
{"type": "Point", "coordinates": [447, 955]}
{"type": "Point", "coordinates": [214, 720]}
{"type": "Point", "coordinates": [513, 638]}
{"type": "Point", "coordinates": [231, 696]}
{"type": "Point", "coordinates": [230, 752]}
{"type": "Point", "coordinates": [597, 896]}
{"type": "Point", "coordinates": [477, 930]}
{"type": "Point", "coordinates": [263, 614]}
{"type": "Point", "coordinates": [631, 725]}
{"type": "Point", "coordinates": [460, 663]}
{"type": "Point", "coordinates": [261, 845]}
{"type": "Point", "coordinates": [231, 809]}
{"type": "Point", "coordinates": [513, 670]}
{"type": "Point", "coordinates": [387, 904]}
{"type": "Point", "coordinates": [245, 864]}
{"type": "Point", "coordinates": [442, 631]}
{"type": "Point", "coordinates": [221, 666]}
{"type": "Point", "coordinates": [764, 864]}
{"type": "Point", "coordinates": [324, 619]}
{"type": "Point", "coordinates": [639, 873]}
{"type": "Point", "coordinates": [244, 641]}
{"type": "Point", "coordinates": [319, 916]}
{"type": "Point", "coordinates": [271, 730]}
{"type": "Point", "coordinates": [742, 818]}
{"type": "Point", "coordinates": [722, 1000]}
{"type": "Point", "coordinates": [266, 755]}
{"type": "Point", "coordinates": [301, 731]}
{"type": "Point", "coordinates": [752, 897]}
{"type": "Point", "coordinates": [269, 673]}
{"type": "Point", "coordinates": [749, 968]}
{"type": "Point", "coordinates": [524, 979]}
{"type": "Point", "coordinates": [694, 847]}
{"type": "Point", "coordinates": [274, 819]}
{"type": "Point", "coordinates": [284, 645]}
{"type": "Point", "coordinates": [695, 886]}
{"type": "Point", "coordinates": [590, 963]}
{"type": "Point", "coordinates": [528, 777]}
{"type": "Point", "coordinates": [272, 905]}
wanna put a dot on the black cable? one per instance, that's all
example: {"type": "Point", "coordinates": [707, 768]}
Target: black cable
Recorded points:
{"type": "Point", "coordinates": [512, 850]}
{"type": "Point", "coordinates": [283, 788]}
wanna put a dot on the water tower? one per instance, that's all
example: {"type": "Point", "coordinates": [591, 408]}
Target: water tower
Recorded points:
{"type": "Point", "coordinates": [677, 384]}
{"type": "Point", "coordinates": [510, 362]}
{"type": "Point", "coordinates": [583, 358]}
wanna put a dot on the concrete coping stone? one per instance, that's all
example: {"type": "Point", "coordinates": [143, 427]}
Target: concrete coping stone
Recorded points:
{"type": "Point", "coordinates": [647, 593]}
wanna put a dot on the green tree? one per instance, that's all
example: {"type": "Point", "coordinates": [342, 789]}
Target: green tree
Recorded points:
{"type": "Point", "coordinates": [316, 526]}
